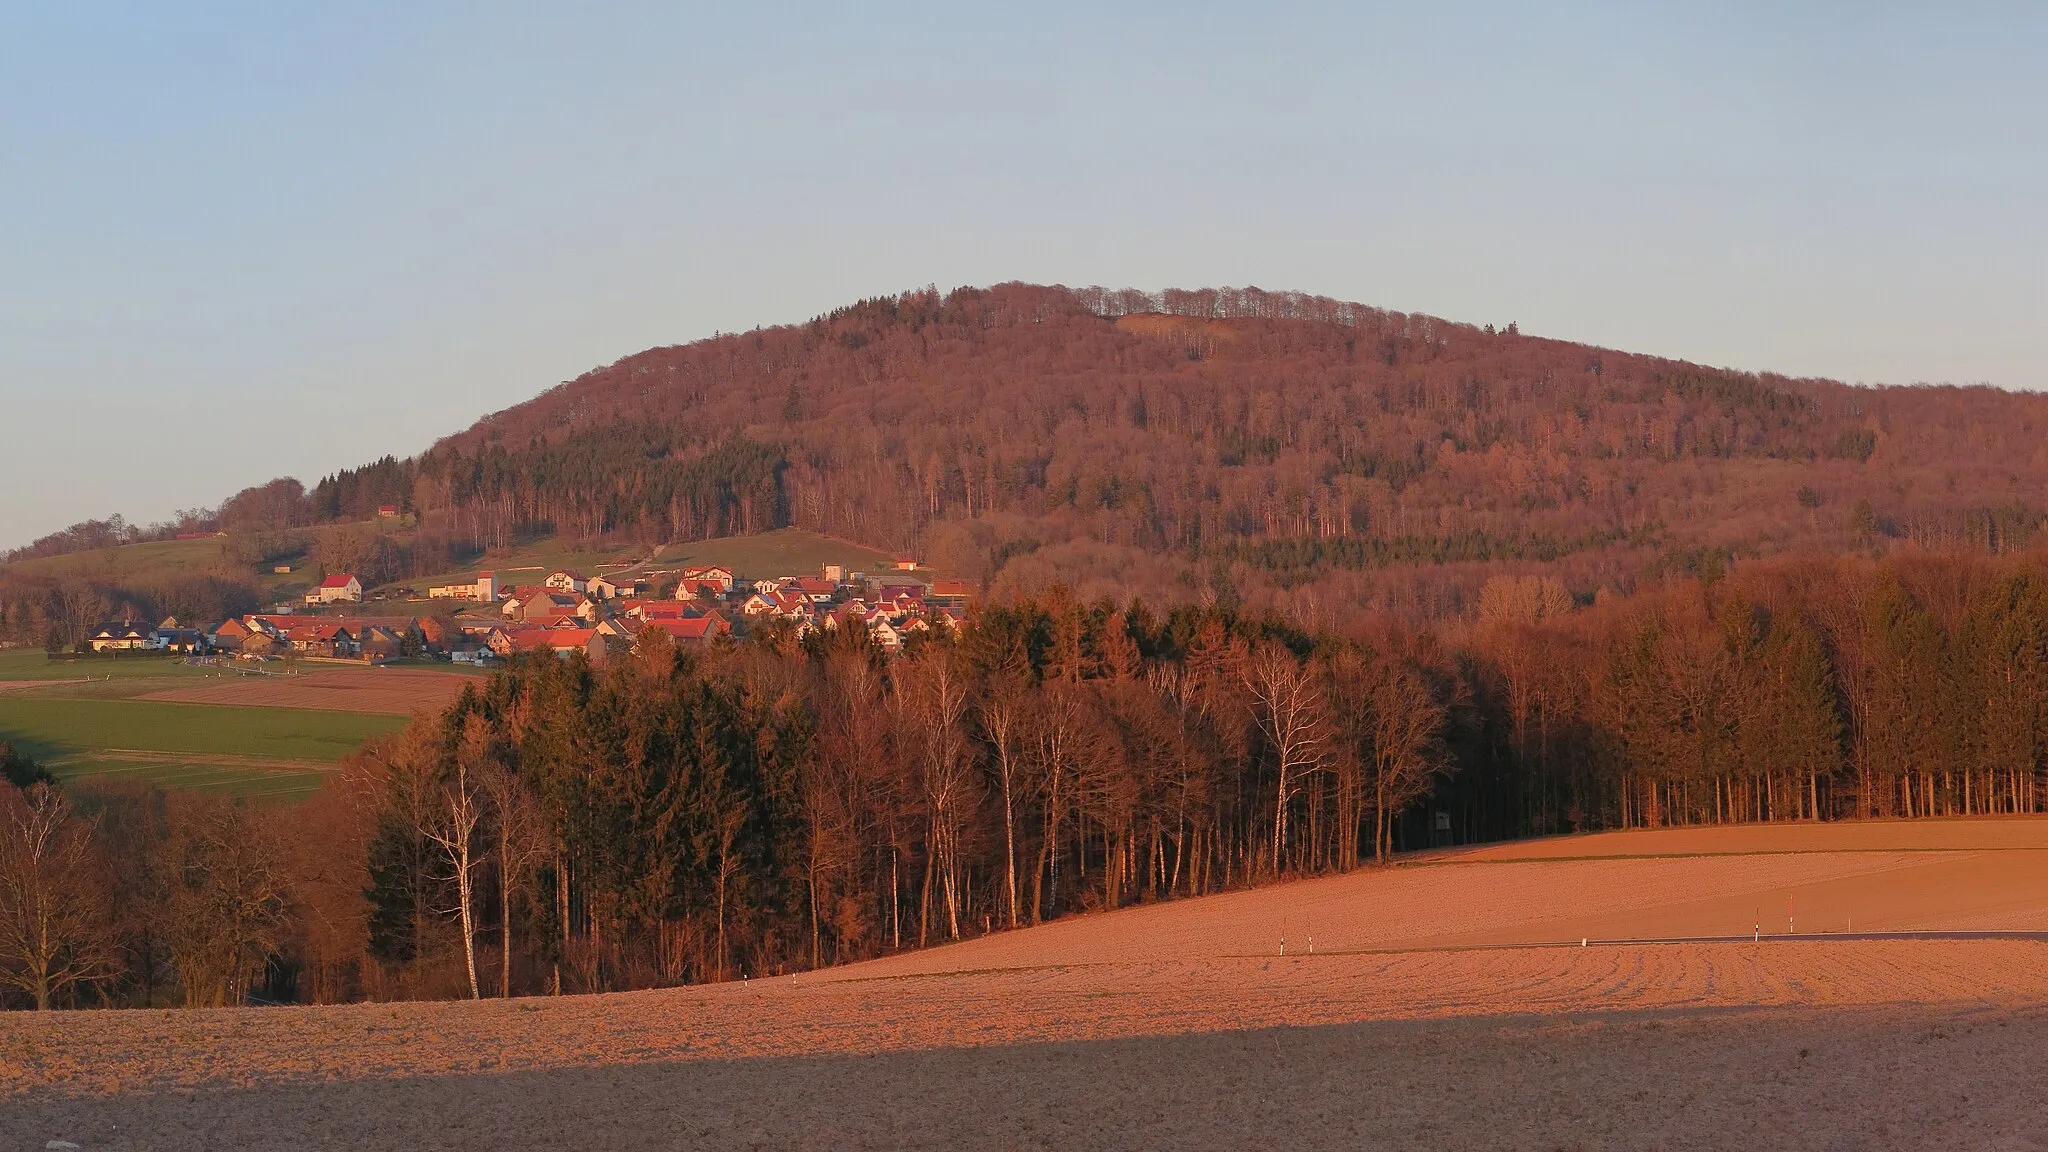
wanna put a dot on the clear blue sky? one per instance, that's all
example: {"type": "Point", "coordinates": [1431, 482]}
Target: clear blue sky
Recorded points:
{"type": "Point", "coordinates": [241, 241]}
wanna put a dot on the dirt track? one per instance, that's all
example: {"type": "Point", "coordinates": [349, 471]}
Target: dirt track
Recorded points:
{"type": "Point", "coordinates": [1174, 1026]}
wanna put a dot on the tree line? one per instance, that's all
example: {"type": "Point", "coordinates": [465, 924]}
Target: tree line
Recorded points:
{"type": "Point", "coordinates": [785, 802]}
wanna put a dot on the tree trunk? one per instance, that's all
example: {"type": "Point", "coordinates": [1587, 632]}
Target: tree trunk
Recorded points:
{"type": "Point", "coordinates": [465, 895]}
{"type": "Point", "coordinates": [1280, 816]}
{"type": "Point", "coordinates": [504, 911]}
{"type": "Point", "coordinates": [1009, 839]}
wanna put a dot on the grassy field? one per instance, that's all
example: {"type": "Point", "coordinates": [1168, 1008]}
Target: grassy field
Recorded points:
{"type": "Point", "coordinates": [19, 664]}
{"type": "Point", "coordinates": [50, 727]}
{"type": "Point", "coordinates": [282, 783]}
{"type": "Point", "coordinates": [530, 563]}
{"type": "Point", "coordinates": [83, 720]}
{"type": "Point", "coordinates": [278, 752]}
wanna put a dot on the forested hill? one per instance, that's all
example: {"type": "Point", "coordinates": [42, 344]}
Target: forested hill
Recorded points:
{"type": "Point", "coordinates": [1230, 442]}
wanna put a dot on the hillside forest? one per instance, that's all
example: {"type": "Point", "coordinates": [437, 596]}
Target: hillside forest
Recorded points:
{"type": "Point", "coordinates": [781, 803]}
{"type": "Point", "coordinates": [1267, 450]}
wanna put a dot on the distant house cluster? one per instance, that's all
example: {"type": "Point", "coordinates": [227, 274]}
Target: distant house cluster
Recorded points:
{"type": "Point", "coordinates": [128, 636]}
{"type": "Point", "coordinates": [566, 612]}
{"type": "Point", "coordinates": [266, 635]}
{"type": "Point", "coordinates": [569, 612]}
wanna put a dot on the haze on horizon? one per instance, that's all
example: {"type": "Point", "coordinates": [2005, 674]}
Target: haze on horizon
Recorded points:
{"type": "Point", "coordinates": [241, 241]}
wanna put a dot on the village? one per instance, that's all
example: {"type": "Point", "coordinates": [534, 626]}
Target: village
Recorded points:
{"type": "Point", "coordinates": [493, 618]}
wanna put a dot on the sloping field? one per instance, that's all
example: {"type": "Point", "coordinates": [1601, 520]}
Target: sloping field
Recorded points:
{"type": "Point", "coordinates": [395, 691]}
{"type": "Point", "coordinates": [1422, 1019]}
{"type": "Point", "coordinates": [782, 552]}
{"type": "Point", "coordinates": [1981, 874]}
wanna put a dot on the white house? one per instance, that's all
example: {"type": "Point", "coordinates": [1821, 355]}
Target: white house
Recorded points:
{"type": "Point", "coordinates": [338, 587]}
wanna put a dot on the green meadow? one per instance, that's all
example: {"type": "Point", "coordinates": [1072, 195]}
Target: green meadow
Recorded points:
{"type": "Point", "coordinates": [272, 752]}
{"type": "Point", "coordinates": [18, 664]}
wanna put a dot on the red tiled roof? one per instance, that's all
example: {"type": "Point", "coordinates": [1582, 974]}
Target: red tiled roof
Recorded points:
{"type": "Point", "coordinates": [552, 639]}
{"type": "Point", "coordinates": [697, 628]}
{"type": "Point", "coordinates": [339, 580]}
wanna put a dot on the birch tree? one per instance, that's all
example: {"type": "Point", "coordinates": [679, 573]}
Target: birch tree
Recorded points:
{"type": "Point", "coordinates": [1290, 714]}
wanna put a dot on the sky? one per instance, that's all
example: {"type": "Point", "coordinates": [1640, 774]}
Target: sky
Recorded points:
{"type": "Point", "coordinates": [239, 241]}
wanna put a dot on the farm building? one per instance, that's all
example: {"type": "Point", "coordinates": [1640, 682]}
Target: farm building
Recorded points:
{"type": "Point", "coordinates": [955, 591]}
{"type": "Point", "coordinates": [338, 587]}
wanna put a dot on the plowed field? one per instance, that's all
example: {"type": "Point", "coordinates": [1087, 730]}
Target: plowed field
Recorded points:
{"type": "Point", "coordinates": [1449, 1003]}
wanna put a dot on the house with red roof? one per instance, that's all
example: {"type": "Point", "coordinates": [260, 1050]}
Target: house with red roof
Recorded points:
{"type": "Point", "coordinates": [716, 574]}
{"type": "Point", "coordinates": [694, 631]}
{"type": "Point", "coordinates": [959, 591]}
{"type": "Point", "coordinates": [562, 642]}
{"type": "Point", "coordinates": [816, 589]}
{"type": "Point", "coordinates": [341, 586]}
{"type": "Point", "coordinates": [335, 640]}
{"type": "Point", "coordinates": [776, 603]}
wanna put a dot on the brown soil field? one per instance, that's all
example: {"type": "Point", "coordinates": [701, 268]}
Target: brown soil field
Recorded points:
{"type": "Point", "coordinates": [1425, 1018]}
{"type": "Point", "coordinates": [401, 691]}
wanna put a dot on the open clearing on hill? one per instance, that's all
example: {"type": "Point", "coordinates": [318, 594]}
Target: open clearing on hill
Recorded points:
{"type": "Point", "coordinates": [395, 691]}
{"type": "Point", "coordinates": [782, 552]}
{"type": "Point", "coordinates": [1424, 1018]}
{"type": "Point", "coordinates": [760, 555]}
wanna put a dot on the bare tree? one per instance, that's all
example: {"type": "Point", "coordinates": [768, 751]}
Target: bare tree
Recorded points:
{"type": "Point", "coordinates": [1407, 751]}
{"type": "Point", "coordinates": [55, 921]}
{"type": "Point", "coordinates": [515, 823]}
{"type": "Point", "coordinates": [1290, 713]}
{"type": "Point", "coordinates": [1055, 723]}
{"type": "Point", "coordinates": [932, 695]}
{"type": "Point", "coordinates": [451, 826]}
{"type": "Point", "coordinates": [1002, 720]}
{"type": "Point", "coordinates": [837, 779]}
{"type": "Point", "coordinates": [227, 902]}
